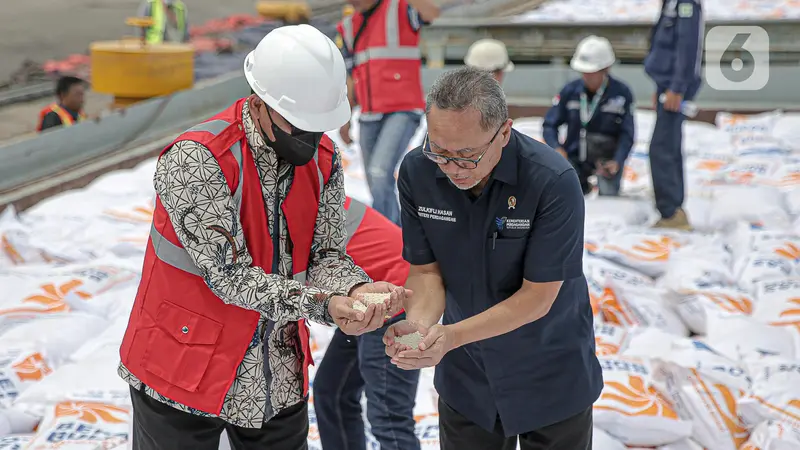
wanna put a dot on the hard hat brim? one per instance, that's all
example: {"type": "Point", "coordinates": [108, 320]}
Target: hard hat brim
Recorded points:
{"type": "Point", "coordinates": [318, 123]}
{"type": "Point", "coordinates": [584, 67]}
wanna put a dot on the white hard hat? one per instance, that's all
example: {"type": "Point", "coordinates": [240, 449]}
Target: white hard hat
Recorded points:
{"type": "Point", "coordinates": [593, 54]}
{"type": "Point", "coordinates": [489, 54]}
{"type": "Point", "coordinates": [300, 73]}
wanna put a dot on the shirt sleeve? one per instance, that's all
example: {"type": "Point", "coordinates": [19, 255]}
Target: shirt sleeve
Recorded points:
{"type": "Point", "coordinates": [415, 19]}
{"type": "Point", "coordinates": [688, 47]}
{"type": "Point", "coordinates": [416, 249]}
{"type": "Point", "coordinates": [330, 266]}
{"type": "Point", "coordinates": [51, 120]}
{"type": "Point", "coordinates": [555, 246]}
{"type": "Point", "coordinates": [553, 119]}
{"type": "Point", "coordinates": [194, 192]}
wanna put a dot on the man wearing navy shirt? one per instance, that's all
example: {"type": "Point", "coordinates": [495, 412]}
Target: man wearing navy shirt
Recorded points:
{"type": "Point", "coordinates": [676, 51]}
{"type": "Point", "coordinates": [493, 229]}
{"type": "Point", "coordinates": [598, 111]}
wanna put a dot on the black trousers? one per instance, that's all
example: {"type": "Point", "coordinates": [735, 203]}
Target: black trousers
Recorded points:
{"type": "Point", "coordinates": [456, 432]}
{"type": "Point", "coordinates": [157, 426]}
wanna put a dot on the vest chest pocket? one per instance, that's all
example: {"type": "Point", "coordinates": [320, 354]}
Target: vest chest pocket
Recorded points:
{"type": "Point", "coordinates": [180, 346]}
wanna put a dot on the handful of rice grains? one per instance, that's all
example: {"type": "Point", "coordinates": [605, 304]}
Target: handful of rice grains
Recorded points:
{"type": "Point", "coordinates": [370, 298]}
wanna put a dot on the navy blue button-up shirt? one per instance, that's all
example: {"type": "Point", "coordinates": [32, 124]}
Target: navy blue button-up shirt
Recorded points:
{"type": "Point", "coordinates": [527, 224]}
{"type": "Point", "coordinates": [614, 118]}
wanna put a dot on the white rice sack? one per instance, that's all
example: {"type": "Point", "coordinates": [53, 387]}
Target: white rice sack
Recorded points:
{"type": "Point", "coordinates": [685, 444]}
{"type": "Point", "coordinates": [610, 339]}
{"type": "Point", "coordinates": [779, 304]}
{"type": "Point", "coordinates": [15, 441]}
{"type": "Point", "coordinates": [742, 338]}
{"type": "Point", "coordinates": [603, 271]}
{"type": "Point", "coordinates": [640, 306]}
{"type": "Point", "coordinates": [56, 335]}
{"type": "Point", "coordinates": [744, 124]}
{"type": "Point", "coordinates": [17, 244]}
{"type": "Point", "coordinates": [743, 239]}
{"type": "Point", "coordinates": [760, 206]}
{"type": "Point", "coordinates": [647, 251]}
{"type": "Point", "coordinates": [696, 267]}
{"type": "Point", "coordinates": [773, 435]}
{"type": "Point", "coordinates": [762, 266]}
{"type": "Point", "coordinates": [631, 409]}
{"type": "Point", "coordinates": [636, 178]}
{"type": "Point", "coordinates": [633, 212]}
{"type": "Point", "coordinates": [83, 426]}
{"type": "Point", "coordinates": [604, 441]}
{"type": "Point", "coordinates": [696, 307]}
{"type": "Point", "coordinates": [93, 380]}
{"type": "Point", "coordinates": [775, 394]}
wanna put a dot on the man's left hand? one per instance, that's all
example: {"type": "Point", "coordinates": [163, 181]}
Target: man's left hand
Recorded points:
{"type": "Point", "coordinates": [435, 344]}
{"type": "Point", "coordinates": [672, 101]}
{"type": "Point", "coordinates": [396, 300]}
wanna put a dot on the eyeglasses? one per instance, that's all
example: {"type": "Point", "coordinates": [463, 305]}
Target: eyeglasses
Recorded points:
{"type": "Point", "coordinates": [464, 163]}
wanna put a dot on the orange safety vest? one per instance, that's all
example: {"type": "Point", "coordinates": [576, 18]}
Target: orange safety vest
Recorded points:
{"type": "Point", "coordinates": [182, 340]}
{"type": "Point", "coordinates": [375, 243]}
{"type": "Point", "coordinates": [66, 118]}
{"type": "Point", "coordinates": [386, 58]}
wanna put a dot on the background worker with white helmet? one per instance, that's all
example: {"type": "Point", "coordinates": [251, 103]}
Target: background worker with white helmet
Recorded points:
{"type": "Point", "coordinates": [598, 111]}
{"type": "Point", "coordinates": [247, 243]}
{"type": "Point", "coordinates": [491, 55]}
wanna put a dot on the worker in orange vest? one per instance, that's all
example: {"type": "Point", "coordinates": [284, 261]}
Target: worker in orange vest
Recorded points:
{"type": "Point", "coordinates": [68, 108]}
{"type": "Point", "coordinates": [353, 366]}
{"type": "Point", "coordinates": [380, 43]}
{"type": "Point", "coordinates": [247, 243]}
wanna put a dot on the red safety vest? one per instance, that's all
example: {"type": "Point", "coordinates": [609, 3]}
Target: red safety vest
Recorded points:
{"type": "Point", "coordinates": [182, 340]}
{"type": "Point", "coordinates": [386, 58]}
{"type": "Point", "coordinates": [375, 243]}
{"type": "Point", "coordinates": [66, 118]}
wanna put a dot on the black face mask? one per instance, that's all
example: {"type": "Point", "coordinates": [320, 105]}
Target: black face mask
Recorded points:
{"type": "Point", "coordinates": [297, 148]}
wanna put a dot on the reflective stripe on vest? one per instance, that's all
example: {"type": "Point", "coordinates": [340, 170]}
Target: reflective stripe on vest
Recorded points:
{"type": "Point", "coordinates": [355, 214]}
{"type": "Point", "coordinates": [177, 256]}
{"type": "Point", "coordinates": [392, 50]}
{"type": "Point", "coordinates": [66, 118]}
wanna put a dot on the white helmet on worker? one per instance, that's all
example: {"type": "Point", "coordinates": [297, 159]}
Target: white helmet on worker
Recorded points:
{"type": "Point", "coordinates": [489, 54]}
{"type": "Point", "coordinates": [593, 54]}
{"type": "Point", "coordinates": [300, 73]}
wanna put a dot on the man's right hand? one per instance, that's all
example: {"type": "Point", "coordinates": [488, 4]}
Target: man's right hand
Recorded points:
{"type": "Point", "coordinates": [400, 328]}
{"type": "Point", "coordinates": [352, 321]}
{"type": "Point", "coordinates": [561, 152]}
{"type": "Point", "coordinates": [344, 133]}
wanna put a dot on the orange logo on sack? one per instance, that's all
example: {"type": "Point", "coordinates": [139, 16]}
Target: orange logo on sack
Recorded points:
{"type": "Point", "coordinates": [727, 411]}
{"type": "Point", "coordinates": [739, 304]}
{"type": "Point", "coordinates": [658, 249]}
{"type": "Point", "coordinates": [792, 312]}
{"type": "Point", "coordinates": [604, 348]}
{"type": "Point", "coordinates": [644, 401]}
{"type": "Point", "coordinates": [142, 214]}
{"type": "Point", "coordinates": [711, 165]}
{"type": "Point", "coordinates": [52, 301]}
{"type": "Point", "coordinates": [789, 251]}
{"type": "Point", "coordinates": [612, 310]}
{"type": "Point", "coordinates": [11, 251]}
{"type": "Point", "coordinates": [629, 174]}
{"type": "Point", "coordinates": [32, 368]}
{"type": "Point", "coordinates": [92, 412]}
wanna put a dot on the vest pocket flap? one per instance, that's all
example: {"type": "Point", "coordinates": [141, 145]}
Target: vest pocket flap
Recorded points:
{"type": "Point", "coordinates": [186, 326]}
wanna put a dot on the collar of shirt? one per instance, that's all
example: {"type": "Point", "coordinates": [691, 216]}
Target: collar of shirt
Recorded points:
{"type": "Point", "coordinates": [506, 169]}
{"type": "Point", "coordinates": [254, 137]}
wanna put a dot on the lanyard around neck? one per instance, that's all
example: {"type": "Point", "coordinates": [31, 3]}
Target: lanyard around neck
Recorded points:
{"type": "Point", "coordinates": [587, 110]}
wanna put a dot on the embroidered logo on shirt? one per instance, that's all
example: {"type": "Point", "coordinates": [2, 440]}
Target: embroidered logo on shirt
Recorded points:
{"type": "Point", "coordinates": [615, 105]}
{"type": "Point", "coordinates": [435, 214]}
{"type": "Point", "coordinates": [504, 223]}
{"type": "Point", "coordinates": [512, 202]}
{"type": "Point", "coordinates": [685, 10]}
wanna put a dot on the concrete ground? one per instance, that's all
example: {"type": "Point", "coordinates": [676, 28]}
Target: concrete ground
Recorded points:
{"type": "Point", "coordinates": [41, 30]}
{"type": "Point", "coordinates": [53, 29]}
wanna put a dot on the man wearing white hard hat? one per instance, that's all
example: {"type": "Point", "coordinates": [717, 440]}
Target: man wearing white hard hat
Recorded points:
{"type": "Point", "coordinates": [247, 244]}
{"type": "Point", "coordinates": [598, 112]}
{"type": "Point", "coordinates": [491, 55]}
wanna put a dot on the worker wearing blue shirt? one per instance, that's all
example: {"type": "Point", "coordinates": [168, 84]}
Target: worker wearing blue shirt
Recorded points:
{"type": "Point", "coordinates": [598, 111]}
{"type": "Point", "coordinates": [676, 51]}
